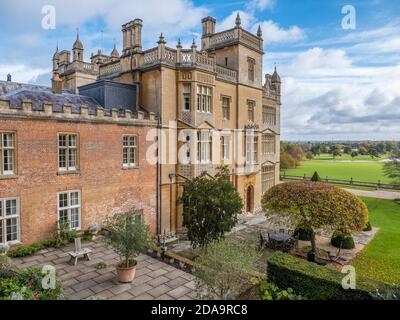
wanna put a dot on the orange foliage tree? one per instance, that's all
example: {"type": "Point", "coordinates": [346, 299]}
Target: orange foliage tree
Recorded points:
{"type": "Point", "coordinates": [316, 205]}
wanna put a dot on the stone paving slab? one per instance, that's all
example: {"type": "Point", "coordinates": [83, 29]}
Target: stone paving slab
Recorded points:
{"type": "Point", "coordinates": [154, 280]}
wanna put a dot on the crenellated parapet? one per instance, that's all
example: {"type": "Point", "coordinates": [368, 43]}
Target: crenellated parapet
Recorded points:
{"type": "Point", "coordinates": [81, 113]}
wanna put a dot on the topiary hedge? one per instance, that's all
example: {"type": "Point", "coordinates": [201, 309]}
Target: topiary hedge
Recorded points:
{"type": "Point", "coordinates": [303, 234]}
{"type": "Point", "coordinates": [368, 227]}
{"type": "Point", "coordinates": [316, 282]}
{"type": "Point", "coordinates": [342, 240]}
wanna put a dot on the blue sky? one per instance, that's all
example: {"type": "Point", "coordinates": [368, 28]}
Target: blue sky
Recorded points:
{"type": "Point", "coordinates": [337, 84]}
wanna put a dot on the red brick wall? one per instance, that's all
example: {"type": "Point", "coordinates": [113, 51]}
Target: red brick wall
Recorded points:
{"type": "Point", "coordinates": [106, 187]}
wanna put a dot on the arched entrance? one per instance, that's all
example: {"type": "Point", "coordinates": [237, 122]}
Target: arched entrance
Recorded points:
{"type": "Point", "coordinates": [250, 199]}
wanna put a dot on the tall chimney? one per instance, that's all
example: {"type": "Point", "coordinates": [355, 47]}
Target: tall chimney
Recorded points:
{"type": "Point", "coordinates": [137, 34]}
{"type": "Point", "coordinates": [56, 83]}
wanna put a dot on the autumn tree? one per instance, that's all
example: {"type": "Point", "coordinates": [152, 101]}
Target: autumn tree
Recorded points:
{"type": "Point", "coordinates": [316, 206]}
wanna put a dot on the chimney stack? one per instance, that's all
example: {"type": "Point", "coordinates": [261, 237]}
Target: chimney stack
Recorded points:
{"type": "Point", "coordinates": [9, 78]}
{"type": "Point", "coordinates": [56, 83]}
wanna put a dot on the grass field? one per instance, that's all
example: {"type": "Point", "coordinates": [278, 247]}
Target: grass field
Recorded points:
{"type": "Point", "coordinates": [381, 259]}
{"type": "Point", "coordinates": [363, 168]}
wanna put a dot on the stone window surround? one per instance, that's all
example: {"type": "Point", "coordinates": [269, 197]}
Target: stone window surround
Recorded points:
{"type": "Point", "coordinates": [229, 98]}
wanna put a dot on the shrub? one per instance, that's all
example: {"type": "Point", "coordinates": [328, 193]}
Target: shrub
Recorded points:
{"type": "Point", "coordinates": [303, 234]}
{"type": "Point", "coordinates": [316, 282]}
{"type": "Point", "coordinates": [368, 227]}
{"type": "Point", "coordinates": [315, 177]}
{"type": "Point", "coordinates": [269, 291]}
{"type": "Point", "coordinates": [223, 269]}
{"type": "Point", "coordinates": [344, 240]}
{"type": "Point", "coordinates": [26, 284]}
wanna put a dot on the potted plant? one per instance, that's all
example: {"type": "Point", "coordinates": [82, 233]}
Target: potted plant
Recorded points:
{"type": "Point", "coordinates": [129, 238]}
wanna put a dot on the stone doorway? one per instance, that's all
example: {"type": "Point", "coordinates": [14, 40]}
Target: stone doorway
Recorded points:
{"type": "Point", "coordinates": [250, 199]}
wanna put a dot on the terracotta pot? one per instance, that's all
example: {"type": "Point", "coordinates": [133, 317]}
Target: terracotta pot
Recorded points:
{"type": "Point", "coordinates": [126, 275]}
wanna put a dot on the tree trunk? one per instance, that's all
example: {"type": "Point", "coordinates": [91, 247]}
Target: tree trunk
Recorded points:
{"type": "Point", "coordinates": [313, 244]}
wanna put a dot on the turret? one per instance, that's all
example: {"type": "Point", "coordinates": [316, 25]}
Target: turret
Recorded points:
{"type": "Point", "coordinates": [276, 81]}
{"type": "Point", "coordinates": [56, 59]}
{"type": "Point", "coordinates": [78, 49]}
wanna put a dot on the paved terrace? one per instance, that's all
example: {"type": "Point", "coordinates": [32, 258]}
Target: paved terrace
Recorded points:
{"type": "Point", "coordinates": [154, 280]}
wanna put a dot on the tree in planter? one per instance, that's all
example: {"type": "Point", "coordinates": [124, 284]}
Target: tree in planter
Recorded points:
{"type": "Point", "coordinates": [210, 206]}
{"type": "Point", "coordinates": [224, 268]}
{"type": "Point", "coordinates": [315, 205]}
{"type": "Point", "coordinates": [129, 237]}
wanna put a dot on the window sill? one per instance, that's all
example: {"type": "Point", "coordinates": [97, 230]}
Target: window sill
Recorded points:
{"type": "Point", "coordinates": [66, 173]}
{"type": "Point", "coordinates": [8, 177]}
{"type": "Point", "coordinates": [14, 244]}
{"type": "Point", "coordinates": [130, 167]}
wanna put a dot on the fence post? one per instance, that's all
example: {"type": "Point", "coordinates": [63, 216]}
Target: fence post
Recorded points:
{"type": "Point", "coordinates": [351, 181]}
{"type": "Point", "coordinates": [305, 177]}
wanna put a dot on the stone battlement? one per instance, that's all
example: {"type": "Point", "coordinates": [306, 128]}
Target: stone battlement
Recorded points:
{"type": "Point", "coordinates": [80, 114]}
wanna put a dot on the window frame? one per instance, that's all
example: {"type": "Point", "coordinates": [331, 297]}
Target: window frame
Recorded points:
{"type": "Point", "coordinates": [226, 108]}
{"type": "Point", "coordinates": [204, 99]}
{"type": "Point", "coordinates": [225, 147]}
{"type": "Point", "coordinates": [12, 149]}
{"type": "Point", "coordinates": [268, 139]}
{"type": "Point", "coordinates": [266, 182]}
{"type": "Point", "coordinates": [267, 116]}
{"type": "Point", "coordinates": [4, 218]}
{"type": "Point", "coordinates": [70, 207]}
{"type": "Point", "coordinates": [130, 165]}
{"type": "Point", "coordinates": [67, 167]}
{"type": "Point", "coordinates": [251, 106]}
{"type": "Point", "coordinates": [204, 146]}
{"type": "Point", "coordinates": [187, 97]}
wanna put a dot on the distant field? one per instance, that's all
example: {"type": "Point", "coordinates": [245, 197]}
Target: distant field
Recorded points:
{"type": "Point", "coordinates": [363, 168]}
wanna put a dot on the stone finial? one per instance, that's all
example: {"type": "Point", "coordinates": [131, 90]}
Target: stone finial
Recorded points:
{"type": "Point", "coordinates": [9, 78]}
{"type": "Point", "coordinates": [259, 32]}
{"type": "Point", "coordinates": [194, 44]}
{"type": "Point", "coordinates": [238, 21]}
{"type": "Point", "coordinates": [161, 39]}
{"type": "Point", "coordinates": [179, 45]}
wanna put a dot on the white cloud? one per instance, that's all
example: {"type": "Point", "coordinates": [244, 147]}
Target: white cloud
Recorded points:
{"type": "Point", "coordinates": [327, 96]}
{"type": "Point", "coordinates": [247, 19]}
{"type": "Point", "coordinates": [273, 33]}
{"type": "Point", "coordinates": [21, 72]}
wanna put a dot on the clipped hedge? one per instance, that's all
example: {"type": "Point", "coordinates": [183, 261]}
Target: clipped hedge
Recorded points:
{"type": "Point", "coordinates": [345, 241]}
{"type": "Point", "coordinates": [316, 282]}
{"type": "Point", "coordinates": [303, 234]}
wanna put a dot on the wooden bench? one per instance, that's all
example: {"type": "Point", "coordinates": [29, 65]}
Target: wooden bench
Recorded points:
{"type": "Point", "coordinates": [79, 252]}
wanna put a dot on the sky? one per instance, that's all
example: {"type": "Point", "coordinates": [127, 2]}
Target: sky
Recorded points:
{"type": "Point", "coordinates": [338, 83]}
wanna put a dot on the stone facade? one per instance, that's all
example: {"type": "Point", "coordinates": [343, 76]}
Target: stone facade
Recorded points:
{"type": "Point", "coordinates": [209, 106]}
{"type": "Point", "coordinates": [230, 65]}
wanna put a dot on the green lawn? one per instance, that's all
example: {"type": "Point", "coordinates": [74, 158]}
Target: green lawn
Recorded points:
{"type": "Point", "coordinates": [342, 168]}
{"type": "Point", "coordinates": [381, 259]}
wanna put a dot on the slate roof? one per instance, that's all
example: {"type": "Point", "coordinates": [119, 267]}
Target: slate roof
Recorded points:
{"type": "Point", "coordinates": [17, 92]}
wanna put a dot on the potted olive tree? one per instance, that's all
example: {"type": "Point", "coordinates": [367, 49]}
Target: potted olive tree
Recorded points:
{"type": "Point", "coordinates": [129, 237]}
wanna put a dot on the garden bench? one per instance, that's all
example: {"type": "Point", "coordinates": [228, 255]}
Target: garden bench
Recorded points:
{"type": "Point", "coordinates": [79, 252]}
